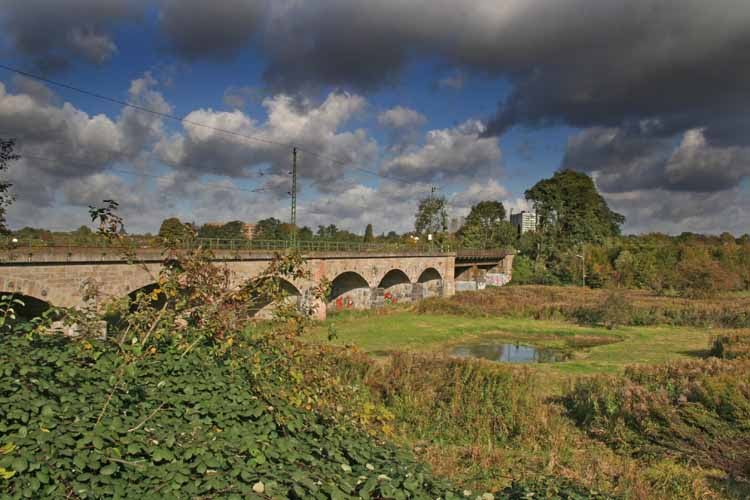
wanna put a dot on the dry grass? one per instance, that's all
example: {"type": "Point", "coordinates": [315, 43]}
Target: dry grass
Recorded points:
{"type": "Point", "coordinates": [730, 310]}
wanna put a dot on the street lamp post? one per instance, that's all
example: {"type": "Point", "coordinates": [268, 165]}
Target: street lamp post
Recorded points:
{"type": "Point", "coordinates": [583, 269]}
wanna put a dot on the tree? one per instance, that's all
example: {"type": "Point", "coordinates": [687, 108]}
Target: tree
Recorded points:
{"type": "Point", "coordinates": [234, 230]}
{"type": "Point", "coordinates": [431, 216]}
{"type": "Point", "coordinates": [486, 214]}
{"type": "Point", "coordinates": [626, 266]}
{"type": "Point", "coordinates": [486, 226]}
{"type": "Point", "coordinates": [267, 229]}
{"type": "Point", "coordinates": [368, 234]}
{"type": "Point", "coordinates": [82, 235]}
{"type": "Point", "coordinates": [6, 198]}
{"type": "Point", "coordinates": [571, 210]}
{"type": "Point", "coordinates": [173, 229]}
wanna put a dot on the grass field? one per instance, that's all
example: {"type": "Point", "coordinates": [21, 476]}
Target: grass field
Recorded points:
{"type": "Point", "coordinates": [609, 350]}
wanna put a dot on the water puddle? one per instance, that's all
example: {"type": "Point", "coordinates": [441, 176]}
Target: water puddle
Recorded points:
{"type": "Point", "coordinates": [508, 353]}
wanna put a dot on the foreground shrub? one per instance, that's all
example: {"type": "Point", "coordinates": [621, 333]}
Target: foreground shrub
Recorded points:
{"type": "Point", "coordinates": [457, 399]}
{"type": "Point", "coordinates": [731, 346]}
{"type": "Point", "coordinates": [696, 411]}
{"type": "Point", "coordinates": [182, 426]}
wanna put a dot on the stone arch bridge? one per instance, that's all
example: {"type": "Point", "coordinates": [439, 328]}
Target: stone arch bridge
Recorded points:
{"type": "Point", "coordinates": [359, 280]}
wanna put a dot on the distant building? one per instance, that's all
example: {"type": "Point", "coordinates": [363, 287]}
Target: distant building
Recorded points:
{"type": "Point", "coordinates": [524, 221]}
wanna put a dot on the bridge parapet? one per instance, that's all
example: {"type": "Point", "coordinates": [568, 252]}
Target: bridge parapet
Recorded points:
{"type": "Point", "coordinates": [84, 255]}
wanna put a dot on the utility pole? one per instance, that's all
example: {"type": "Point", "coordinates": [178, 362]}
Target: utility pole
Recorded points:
{"type": "Point", "coordinates": [293, 193]}
{"type": "Point", "coordinates": [582, 256]}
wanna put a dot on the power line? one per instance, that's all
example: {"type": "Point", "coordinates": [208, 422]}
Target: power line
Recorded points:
{"type": "Point", "coordinates": [115, 152]}
{"type": "Point", "coordinates": [184, 120]}
{"type": "Point", "coordinates": [137, 173]}
{"type": "Point", "coordinates": [138, 107]}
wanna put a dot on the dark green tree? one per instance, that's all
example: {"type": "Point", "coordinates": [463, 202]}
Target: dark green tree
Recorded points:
{"type": "Point", "coordinates": [486, 226]}
{"type": "Point", "coordinates": [173, 229]}
{"type": "Point", "coordinates": [83, 235]}
{"type": "Point", "coordinates": [369, 237]}
{"type": "Point", "coordinates": [6, 198]}
{"type": "Point", "coordinates": [304, 233]}
{"type": "Point", "coordinates": [234, 230]}
{"type": "Point", "coordinates": [431, 216]}
{"type": "Point", "coordinates": [268, 229]}
{"type": "Point", "coordinates": [392, 237]}
{"type": "Point", "coordinates": [571, 210]}
{"type": "Point", "coordinates": [329, 232]}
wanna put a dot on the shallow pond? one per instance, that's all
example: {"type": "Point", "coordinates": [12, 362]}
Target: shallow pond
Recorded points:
{"type": "Point", "coordinates": [508, 353]}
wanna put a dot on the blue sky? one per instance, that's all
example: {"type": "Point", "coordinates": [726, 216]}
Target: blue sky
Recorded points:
{"type": "Point", "coordinates": [479, 99]}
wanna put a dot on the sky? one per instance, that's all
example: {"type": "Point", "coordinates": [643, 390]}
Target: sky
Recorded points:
{"type": "Point", "coordinates": [385, 100]}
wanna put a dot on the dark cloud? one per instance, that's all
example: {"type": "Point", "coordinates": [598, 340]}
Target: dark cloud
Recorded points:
{"type": "Point", "coordinates": [53, 33]}
{"type": "Point", "coordinates": [627, 159]}
{"type": "Point", "coordinates": [198, 28]}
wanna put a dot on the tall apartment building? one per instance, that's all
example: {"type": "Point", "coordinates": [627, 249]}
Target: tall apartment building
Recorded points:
{"type": "Point", "coordinates": [524, 221]}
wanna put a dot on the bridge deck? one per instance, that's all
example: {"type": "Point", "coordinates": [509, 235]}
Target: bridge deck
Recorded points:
{"type": "Point", "coordinates": [65, 255]}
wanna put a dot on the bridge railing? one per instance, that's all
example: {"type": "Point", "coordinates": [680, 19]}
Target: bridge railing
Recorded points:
{"type": "Point", "coordinates": [245, 245]}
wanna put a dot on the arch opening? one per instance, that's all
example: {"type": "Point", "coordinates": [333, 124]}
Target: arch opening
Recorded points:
{"type": "Point", "coordinates": [262, 305]}
{"type": "Point", "coordinates": [431, 283]}
{"type": "Point", "coordinates": [396, 287]}
{"type": "Point", "coordinates": [154, 300]}
{"type": "Point", "coordinates": [30, 308]}
{"type": "Point", "coordinates": [349, 290]}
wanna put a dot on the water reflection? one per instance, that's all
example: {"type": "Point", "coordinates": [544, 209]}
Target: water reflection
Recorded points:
{"type": "Point", "coordinates": [507, 353]}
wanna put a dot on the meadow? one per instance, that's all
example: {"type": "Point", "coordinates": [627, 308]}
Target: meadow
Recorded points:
{"type": "Point", "coordinates": [651, 401]}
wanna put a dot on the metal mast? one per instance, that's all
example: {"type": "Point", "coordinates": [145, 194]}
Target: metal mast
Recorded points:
{"type": "Point", "coordinates": [293, 193]}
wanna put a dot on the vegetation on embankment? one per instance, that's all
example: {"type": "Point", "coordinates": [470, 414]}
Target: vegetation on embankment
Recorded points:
{"type": "Point", "coordinates": [608, 307]}
{"type": "Point", "coordinates": [653, 417]}
{"type": "Point", "coordinates": [486, 425]}
{"type": "Point", "coordinates": [696, 411]}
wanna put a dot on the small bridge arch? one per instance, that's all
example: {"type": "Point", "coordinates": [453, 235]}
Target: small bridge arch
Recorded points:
{"type": "Point", "coordinates": [262, 306]}
{"type": "Point", "coordinates": [395, 286]}
{"type": "Point", "coordinates": [431, 283]}
{"type": "Point", "coordinates": [349, 290]}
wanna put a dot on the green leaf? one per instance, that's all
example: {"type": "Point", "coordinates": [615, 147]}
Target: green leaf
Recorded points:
{"type": "Point", "coordinates": [108, 470]}
{"type": "Point", "coordinates": [20, 464]}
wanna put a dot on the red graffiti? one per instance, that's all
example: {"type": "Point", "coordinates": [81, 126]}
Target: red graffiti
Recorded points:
{"type": "Point", "coordinates": [344, 302]}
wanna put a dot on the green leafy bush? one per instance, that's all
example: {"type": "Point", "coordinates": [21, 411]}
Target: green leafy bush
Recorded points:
{"type": "Point", "coordinates": [183, 426]}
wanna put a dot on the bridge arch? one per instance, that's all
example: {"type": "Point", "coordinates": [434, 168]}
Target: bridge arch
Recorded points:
{"type": "Point", "coordinates": [28, 288]}
{"type": "Point", "coordinates": [431, 283]}
{"type": "Point", "coordinates": [262, 306]}
{"type": "Point", "coordinates": [32, 307]}
{"type": "Point", "coordinates": [349, 290]}
{"type": "Point", "coordinates": [147, 289]}
{"type": "Point", "coordinates": [396, 286]}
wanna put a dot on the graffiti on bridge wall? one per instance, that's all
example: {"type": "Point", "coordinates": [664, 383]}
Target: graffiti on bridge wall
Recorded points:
{"type": "Point", "coordinates": [496, 279]}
